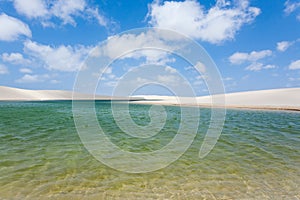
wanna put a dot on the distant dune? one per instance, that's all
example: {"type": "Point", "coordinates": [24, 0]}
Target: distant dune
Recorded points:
{"type": "Point", "coordinates": [15, 94]}
{"type": "Point", "coordinates": [281, 99]}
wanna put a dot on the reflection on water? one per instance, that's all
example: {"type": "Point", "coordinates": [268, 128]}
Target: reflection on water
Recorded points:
{"type": "Point", "coordinates": [41, 156]}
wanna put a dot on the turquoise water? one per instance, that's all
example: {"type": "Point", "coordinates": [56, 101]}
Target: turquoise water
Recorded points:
{"type": "Point", "coordinates": [42, 157]}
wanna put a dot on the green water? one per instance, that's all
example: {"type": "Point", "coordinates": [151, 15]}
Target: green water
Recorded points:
{"type": "Point", "coordinates": [42, 157]}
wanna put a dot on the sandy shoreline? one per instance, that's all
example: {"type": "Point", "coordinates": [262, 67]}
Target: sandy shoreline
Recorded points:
{"type": "Point", "coordinates": [275, 99]}
{"type": "Point", "coordinates": [244, 107]}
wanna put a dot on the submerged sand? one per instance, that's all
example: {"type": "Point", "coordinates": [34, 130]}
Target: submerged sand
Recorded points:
{"type": "Point", "coordinates": [282, 99]}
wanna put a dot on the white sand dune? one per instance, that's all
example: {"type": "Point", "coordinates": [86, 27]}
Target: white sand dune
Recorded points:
{"type": "Point", "coordinates": [15, 94]}
{"type": "Point", "coordinates": [285, 99]}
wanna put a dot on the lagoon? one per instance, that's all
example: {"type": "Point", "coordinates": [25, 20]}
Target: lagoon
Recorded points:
{"type": "Point", "coordinates": [42, 157]}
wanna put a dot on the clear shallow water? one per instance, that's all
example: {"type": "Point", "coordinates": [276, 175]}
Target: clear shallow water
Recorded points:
{"type": "Point", "coordinates": [41, 157]}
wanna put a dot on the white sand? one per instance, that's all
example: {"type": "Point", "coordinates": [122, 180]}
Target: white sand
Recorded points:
{"type": "Point", "coordinates": [15, 94]}
{"type": "Point", "coordinates": [287, 99]}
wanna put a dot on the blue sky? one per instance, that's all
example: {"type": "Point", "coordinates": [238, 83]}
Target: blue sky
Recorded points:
{"type": "Point", "coordinates": [255, 44]}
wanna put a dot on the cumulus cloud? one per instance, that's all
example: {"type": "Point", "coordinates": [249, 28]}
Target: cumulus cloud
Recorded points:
{"type": "Point", "coordinates": [25, 70]}
{"type": "Point", "coordinates": [61, 58]}
{"type": "Point", "coordinates": [256, 66]}
{"type": "Point", "coordinates": [3, 69]}
{"type": "Point", "coordinates": [220, 22]}
{"type": "Point", "coordinates": [294, 65]}
{"type": "Point", "coordinates": [201, 67]}
{"type": "Point", "coordinates": [198, 82]}
{"type": "Point", "coordinates": [95, 13]}
{"type": "Point", "coordinates": [15, 58]}
{"type": "Point", "coordinates": [141, 45]}
{"type": "Point", "coordinates": [163, 79]}
{"type": "Point", "coordinates": [253, 59]}
{"type": "Point", "coordinates": [54, 81]}
{"type": "Point", "coordinates": [34, 9]}
{"type": "Point", "coordinates": [68, 8]}
{"type": "Point", "coordinates": [156, 56]}
{"type": "Point", "coordinates": [227, 79]}
{"type": "Point", "coordinates": [14, 28]}
{"type": "Point", "coordinates": [168, 79]}
{"type": "Point", "coordinates": [64, 10]}
{"type": "Point", "coordinates": [283, 46]}
{"type": "Point", "coordinates": [239, 58]}
{"type": "Point", "coordinates": [292, 6]}
{"type": "Point", "coordinates": [294, 79]}
{"type": "Point", "coordinates": [29, 78]}
{"type": "Point", "coordinates": [170, 69]}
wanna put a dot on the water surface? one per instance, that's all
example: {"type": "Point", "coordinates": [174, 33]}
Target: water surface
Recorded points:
{"type": "Point", "coordinates": [42, 157]}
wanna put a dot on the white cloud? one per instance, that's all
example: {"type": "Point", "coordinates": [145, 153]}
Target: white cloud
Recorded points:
{"type": "Point", "coordinates": [62, 58]}
{"type": "Point", "coordinates": [141, 45]}
{"type": "Point", "coordinates": [194, 70]}
{"type": "Point", "coordinates": [25, 71]}
{"type": "Point", "coordinates": [198, 82]}
{"type": "Point", "coordinates": [170, 69]}
{"type": "Point", "coordinates": [295, 65]}
{"type": "Point", "coordinates": [294, 79]}
{"type": "Point", "coordinates": [28, 78]}
{"type": "Point", "coordinates": [254, 67]}
{"type": "Point", "coordinates": [259, 66]}
{"type": "Point", "coordinates": [269, 67]}
{"type": "Point", "coordinates": [219, 23]}
{"type": "Point", "coordinates": [119, 44]}
{"type": "Point", "coordinates": [34, 9]}
{"type": "Point", "coordinates": [239, 58]}
{"type": "Point", "coordinates": [105, 73]}
{"type": "Point", "coordinates": [152, 56]}
{"type": "Point", "coordinates": [252, 58]}
{"type": "Point", "coordinates": [3, 69]}
{"type": "Point", "coordinates": [227, 79]}
{"type": "Point", "coordinates": [172, 80]}
{"type": "Point", "coordinates": [94, 12]}
{"type": "Point", "coordinates": [201, 67]}
{"type": "Point", "coordinates": [14, 28]}
{"type": "Point", "coordinates": [202, 77]}
{"type": "Point", "coordinates": [68, 8]}
{"type": "Point", "coordinates": [189, 68]}
{"type": "Point", "coordinates": [292, 6]}
{"type": "Point", "coordinates": [111, 83]}
{"type": "Point", "coordinates": [55, 81]}
{"type": "Point", "coordinates": [283, 46]}
{"type": "Point", "coordinates": [65, 10]}
{"type": "Point", "coordinates": [163, 79]}
{"type": "Point", "coordinates": [140, 80]}
{"type": "Point", "coordinates": [15, 58]}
